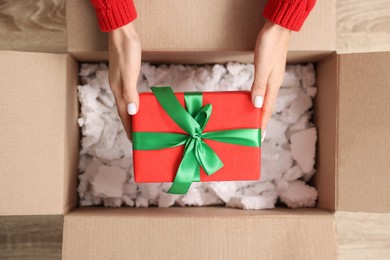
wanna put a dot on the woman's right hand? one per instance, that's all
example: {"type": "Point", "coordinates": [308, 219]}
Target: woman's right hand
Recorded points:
{"type": "Point", "coordinates": [124, 69]}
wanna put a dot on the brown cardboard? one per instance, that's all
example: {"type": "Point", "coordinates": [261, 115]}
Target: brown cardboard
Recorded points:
{"type": "Point", "coordinates": [204, 57]}
{"type": "Point", "coordinates": [72, 138]}
{"type": "Point", "coordinates": [191, 26]}
{"type": "Point", "coordinates": [198, 233]}
{"type": "Point", "coordinates": [325, 114]}
{"type": "Point", "coordinates": [32, 128]}
{"type": "Point", "coordinates": [363, 132]}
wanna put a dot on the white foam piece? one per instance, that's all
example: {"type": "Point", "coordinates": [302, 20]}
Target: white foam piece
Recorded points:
{"type": "Point", "coordinates": [311, 91]}
{"type": "Point", "coordinates": [239, 77]}
{"type": "Point", "coordinates": [102, 77]}
{"type": "Point", "coordinates": [109, 132]}
{"type": "Point", "coordinates": [128, 201]}
{"type": "Point", "coordinates": [275, 161]}
{"type": "Point", "coordinates": [157, 76]}
{"type": "Point", "coordinates": [308, 175]}
{"type": "Point", "coordinates": [224, 190]}
{"type": "Point", "coordinates": [108, 181]}
{"type": "Point", "coordinates": [130, 189]}
{"type": "Point", "coordinates": [286, 97]}
{"type": "Point", "coordinates": [207, 77]}
{"type": "Point", "coordinates": [264, 201]}
{"type": "Point", "coordinates": [150, 191]}
{"type": "Point", "coordinates": [298, 107]}
{"type": "Point", "coordinates": [124, 163]}
{"type": "Point", "coordinates": [298, 194]}
{"type": "Point", "coordinates": [143, 86]}
{"type": "Point", "coordinates": [91, 169]}
{"type": "Point", "coordinates": [293, 173]}
{"type": "Point", "coordinates": [281, 184]}
{"type": "Point", "coordinates": [194, 197]}
{"type": "Point", "coordinates": [308, 76]}
{"type": "Point", "coordinates": [303, 148]}
{"type": "Point", "coordinates": [112, 202]}
{"type": "Point", "coordinates": [88, 69]}
{"type": "Point", "coordinates": [258, 188]}
{"type": "Point", "coordinates": [83, 162]}
{"type": "Point", "coordinates": [301, 124]}
{"type": "Point", "coordinates": [167, 200]}
{"type": "Point", "coordinates": [290, 78]}
{"type": "Point", "coordinates": [276, 131]}
{"type": "Point", "coordinates": [92, 125]}
{"type": "Point", "coordinates": [141, 202]}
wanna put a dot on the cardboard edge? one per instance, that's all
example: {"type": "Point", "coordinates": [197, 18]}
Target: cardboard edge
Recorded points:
{"type": "Point", "coordinates": [326, 154]}
{"type": "Point", "coordinates": [72, 135]}
{"type": "Point", "coordinates": [195, 212]}
{"type": "Point", "coordinates": [336, 191]}
{"type": "Point", "coordinates": [202, 57]}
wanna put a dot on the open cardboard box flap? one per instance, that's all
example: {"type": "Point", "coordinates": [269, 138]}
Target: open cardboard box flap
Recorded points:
{"type": "Point", "coordinates": [363, 139]}
{"type": "Point", "coordinates": [169, 27]}
{"type": "Point", "coordinates": [352, 119]}
{"type": "Point", "coordinates": [37, 127]}
{"type": "Point", "coordinates": [198, 233]}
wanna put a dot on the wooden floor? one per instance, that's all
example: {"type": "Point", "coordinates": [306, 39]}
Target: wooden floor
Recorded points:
{"type": "Point", "coordinates": [31, 237]}
{"type": "Point", "coordinates": [39, 25]}
{"type": "Point", "coordinates": [33, 25]}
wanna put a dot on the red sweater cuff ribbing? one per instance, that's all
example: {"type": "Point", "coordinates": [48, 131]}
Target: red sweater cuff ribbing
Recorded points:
{"type": "Point", "coordinates": [114, 15]}
{"type": "Point", "coordinates": [290, 14]}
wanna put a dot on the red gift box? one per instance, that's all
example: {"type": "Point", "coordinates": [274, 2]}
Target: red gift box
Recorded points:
{"type": "Point", "coordinates": [230, 110]}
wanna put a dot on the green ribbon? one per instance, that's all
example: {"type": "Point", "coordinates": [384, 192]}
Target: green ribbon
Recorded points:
{"type": "Point", "coordinates": [196, 152]}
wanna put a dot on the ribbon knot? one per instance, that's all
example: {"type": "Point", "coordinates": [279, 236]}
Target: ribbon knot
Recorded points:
{"type": "Point", "coordinates": [197, 153]}
{"type": "Point", "coordinates": [197, 136]}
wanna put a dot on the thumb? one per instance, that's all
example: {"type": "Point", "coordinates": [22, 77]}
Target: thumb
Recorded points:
{"type": "Point", "coordinates": [129, 83]}
{"type": "Point", "coordinates": [259, 87]}
{"type": "Point", "coordinates": [131, 97]}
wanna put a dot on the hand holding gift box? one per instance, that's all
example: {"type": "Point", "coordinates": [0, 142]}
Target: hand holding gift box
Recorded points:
{"type": "Point", "coordinates": [217, 132]}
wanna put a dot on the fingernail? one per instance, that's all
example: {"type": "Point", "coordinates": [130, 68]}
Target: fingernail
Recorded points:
{"type": "Point", "coordinates": [263, 137]}
{"type": "Point", "coordinates": [131, 109]}
{"type": "Point", "coordinates": [258, 101]}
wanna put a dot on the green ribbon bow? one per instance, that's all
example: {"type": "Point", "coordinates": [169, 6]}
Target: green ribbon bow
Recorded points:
{"type": "Point", "coordinates": [197, 152]}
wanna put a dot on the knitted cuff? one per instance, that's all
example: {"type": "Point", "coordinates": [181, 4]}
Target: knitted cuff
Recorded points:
{"type": "Point", "coordinates": [115, 16]}
{"type": "Point", "coordinates": [290, 14]}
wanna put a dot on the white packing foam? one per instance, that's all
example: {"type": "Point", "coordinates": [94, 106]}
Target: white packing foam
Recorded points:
{"type": "Point", "coordinates": [106, 170]}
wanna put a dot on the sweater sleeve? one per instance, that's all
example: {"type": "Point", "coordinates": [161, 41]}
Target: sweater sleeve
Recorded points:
{"type": "Point", "coordinates": [112, 14]}
{"type": "Point", "coordinates": [290, 14]}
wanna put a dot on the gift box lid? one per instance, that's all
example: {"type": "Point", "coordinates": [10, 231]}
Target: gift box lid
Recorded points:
{"type": "Point", "coordinates": [199, 31]}
{"type": "Point", "coordinates": [38, 133]}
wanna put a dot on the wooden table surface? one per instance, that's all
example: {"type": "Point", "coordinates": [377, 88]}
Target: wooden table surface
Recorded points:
{"type": "Point", "coordinates": [39, 25]}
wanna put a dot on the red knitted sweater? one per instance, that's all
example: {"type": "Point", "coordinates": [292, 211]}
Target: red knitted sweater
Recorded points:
{"type": "Point", "coordinates": [290, 14]}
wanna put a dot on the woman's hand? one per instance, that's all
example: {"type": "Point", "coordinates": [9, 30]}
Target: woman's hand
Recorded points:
{"type": "Point", "coordinates": [270, 62]}
{"type": "Point", "coordinates": [124, 69]}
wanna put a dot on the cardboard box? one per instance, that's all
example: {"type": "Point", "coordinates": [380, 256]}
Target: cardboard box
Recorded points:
{"type": "Point", "coordinates": [39, 139]}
